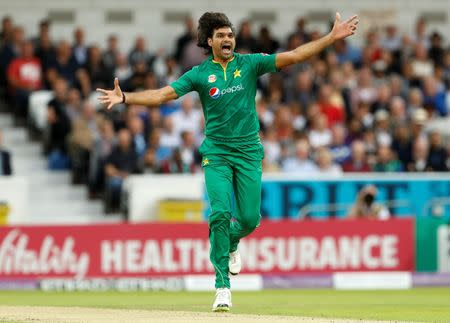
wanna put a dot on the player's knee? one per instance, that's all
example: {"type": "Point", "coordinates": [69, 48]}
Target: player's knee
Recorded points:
{"type": "Point", "coordinates": [251, 222]}
{"type": "Point", "coordinates": [219, 218]}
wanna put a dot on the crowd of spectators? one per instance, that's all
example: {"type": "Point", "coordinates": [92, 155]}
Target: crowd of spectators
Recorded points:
{"type": "Point", "coordinates": [349, 109]}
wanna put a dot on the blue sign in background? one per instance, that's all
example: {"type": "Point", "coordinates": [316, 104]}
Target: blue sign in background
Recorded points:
{"type": "Point", "coordinates": [417, 195]}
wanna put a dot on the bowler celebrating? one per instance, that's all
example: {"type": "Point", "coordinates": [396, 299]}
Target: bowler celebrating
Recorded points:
{"type": "Point", "coordinates": [232, 152]}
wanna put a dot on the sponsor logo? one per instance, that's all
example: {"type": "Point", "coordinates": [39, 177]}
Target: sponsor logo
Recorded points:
{"type": "Point", "coordinates": [18, 258]}
{"type": "Point", "coordinates": [232, 89]}
{"type": "Point", "coordinates": [212, 78]}
{"type": "Point", "coordinates": [214, 92]}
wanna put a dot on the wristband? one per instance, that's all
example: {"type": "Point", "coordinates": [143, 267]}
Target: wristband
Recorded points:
{"type": "Point", "coordinates": [123, 97]}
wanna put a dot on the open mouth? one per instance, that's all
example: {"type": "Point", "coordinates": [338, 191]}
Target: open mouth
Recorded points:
{"type": "Point", "coordinates": [226, 48]}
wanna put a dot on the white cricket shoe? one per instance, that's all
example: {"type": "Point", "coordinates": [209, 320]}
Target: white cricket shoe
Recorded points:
{"type": "Point", "coordinates": [222, 303]}
{"type": "Point", "coordinates": [234, 264]}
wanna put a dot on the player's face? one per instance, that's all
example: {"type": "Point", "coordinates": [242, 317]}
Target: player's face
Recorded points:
{"type": "Point", "coordinates": [222, 43]}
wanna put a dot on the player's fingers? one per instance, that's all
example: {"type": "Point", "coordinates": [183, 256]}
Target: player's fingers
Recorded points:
{"type": "Point", "coordinates": [102, 91]}
{"type": "Point", "coordinates": [110, 106]}
{"type": "Point", "coordinates": [338, 17]}
{"type": "Point", "coordinates": [116, 83]}
{"type": "Point", "coordinates": [349, 20]}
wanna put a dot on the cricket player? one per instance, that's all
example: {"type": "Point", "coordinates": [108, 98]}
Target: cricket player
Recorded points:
{"type": "Point", "coordinates": [232, 152]}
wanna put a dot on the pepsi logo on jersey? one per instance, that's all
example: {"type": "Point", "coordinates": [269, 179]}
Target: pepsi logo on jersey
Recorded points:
{"type": "Point", "coordinates": [214, 92]}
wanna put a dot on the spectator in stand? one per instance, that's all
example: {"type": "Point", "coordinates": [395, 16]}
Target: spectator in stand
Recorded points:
{"type": "Point", "coordinates": [383, 98]}
{"type": "Point", "coordinates": [98, 73]}
{"type": "Point", "coordinates": [122, 162]}
{"type": "Point", "coordinates": [365, 206]}
{"type": "Point", "coordinates": [331, 105]}
{"type": "Point", "coordinates": [339, 149]}
{"type": "Point", "coordinates": [65, 66]}
{"type": "Point", "coordinates": [187, 37]}
{"type": "Point", "coordinates": [347, 53]}
{"type": "Point", "coordinates": [418, 121]}
{"type": "Point", "coordinates": [301, 162]}
{"type": "Point", "coordinates": [184, 158]}
{"type": "Point", "coordinates": [45, 51]}
{"type": "Point", "coordinates": [363, 115]}
{"type": "Point", "coordinates": [303, 90]}
{"type": "Point", "coordinates": [169, 137]}
{"type": "Point", "coordinates": [7, 30]}
{"type": "Point", "coordinates": [415, 100]}
{"type": "Point", "coordinates": [283, 123]}
{"type": "Point", "coordinates": [421, 64]}
{"type": "Point", "coordinates": [5, 159]}
{"type": "Point", "coordinates": [420, 33]}
{"type": "Point", "coordinates": [245, 42]}
{"type": "Point", "coordinates": [74, 105]}
{"type": "Point", "coordinates": [398, 115]}
{"type": "Point", "coordinates": [43, 44]}
{"type": "Point", "coordinates": [383, 128]}
{"type": "Point", "coordinates": [365, 90]}
{"type": "Point", "coordinates": [402, 145]}
{"type": "Point", "coordinates": [9, 51]}
{"type": "Point", "coordinates": [358, 160]}
{"type": "Point", "coordinates": [138, 136]}
{"type": "Point", "coordinates": [188, 118]}
{"type": "Point", "coordinates": [24, 77]}
{"type": "Point", "coordinates": [391, 41]}
{"type": "Point", "coordinates": [58, 127]}
{"type": "Point", "coordinates": [123, 70]}
{"type": "Point", "coordinates": [320, 135]}
{"type": "Point", "coordinates": [436, 51]}
{"type": "Point", "coordinates": [434, 98]}
{"type": "Point", "coordinates": [110, 55]}
{"type": "Point", "coordinates": [272, 151]}
{"type": "Point", "coordinates": [324, 161]}
{"type": "Point", "coordinates": [140, 54]}
{"type": "Point", "coordinates": [419, 156]}
{"type": "Point", "coordinates": [265, 43]}
{"type": "Point", "coordinates": [102, 148]}
{"type": "Point", "coordinates": [437, 155]}
{"type": "Point", "coordinates": [85, 130]}
{"type": "Point", "coordinates": [137, 79]}
{"type": "Point", "coordinates": [80, 49]}
{"type": "Point", "coordinates": [169, 72]}
{"type": "Point", "coordinates": [386, 160]}
{"type": "Point", "coordinates": [300, 30]}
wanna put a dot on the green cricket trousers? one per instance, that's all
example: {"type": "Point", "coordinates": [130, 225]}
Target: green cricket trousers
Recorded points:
{"type": "Point", "coordinates": [233, 182]}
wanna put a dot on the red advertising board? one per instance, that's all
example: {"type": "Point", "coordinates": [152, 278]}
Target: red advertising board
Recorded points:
{"type": "Point", "coordinates": [146, 250]}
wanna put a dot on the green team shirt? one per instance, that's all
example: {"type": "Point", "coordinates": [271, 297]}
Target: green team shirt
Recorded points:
{"type": "Point", "coordinates": [228, 94]}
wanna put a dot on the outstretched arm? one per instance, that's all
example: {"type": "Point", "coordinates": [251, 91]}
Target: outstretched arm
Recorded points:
{"type": "Point", "coordinates": [340, 30]}
{"type": "Point", "coordinates": [147, 98]}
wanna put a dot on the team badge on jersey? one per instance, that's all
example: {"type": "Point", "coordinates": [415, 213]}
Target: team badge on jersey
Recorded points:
{"type": "Point", "coordinates": [212, 78]}
{"type": "Point", "coordinates": [214, 93]}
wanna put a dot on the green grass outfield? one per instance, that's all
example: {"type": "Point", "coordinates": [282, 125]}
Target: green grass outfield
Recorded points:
{"type": "Point", "coordinates": [420, 304]}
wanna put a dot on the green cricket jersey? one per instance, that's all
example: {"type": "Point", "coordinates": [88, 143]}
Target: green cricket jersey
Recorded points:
{"type": "Point", "coordinates": [228, 94]}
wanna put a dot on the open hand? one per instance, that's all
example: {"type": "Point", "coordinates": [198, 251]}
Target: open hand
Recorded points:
{"type": "Point", "coordinates": [111, 97]}
{"type": "Point", "coordinates": [345, 28]}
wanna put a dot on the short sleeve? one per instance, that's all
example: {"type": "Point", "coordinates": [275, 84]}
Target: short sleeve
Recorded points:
{"type": "Point", "coordinates": [263, 63]}
{"type": "Point", "coordinates": [185, 83]}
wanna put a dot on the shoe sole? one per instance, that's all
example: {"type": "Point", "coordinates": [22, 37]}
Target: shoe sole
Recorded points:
{"type": "Point", "coordinates": [221, 309]}
{"type": "Point", "coordinates": [234, 274]}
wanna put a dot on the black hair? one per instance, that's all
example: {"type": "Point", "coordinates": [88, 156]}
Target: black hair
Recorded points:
{"type": "Point", "coordinates": [207, 23]}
